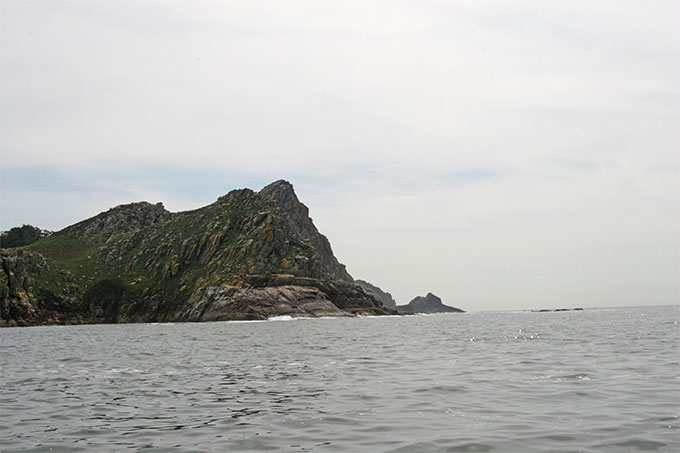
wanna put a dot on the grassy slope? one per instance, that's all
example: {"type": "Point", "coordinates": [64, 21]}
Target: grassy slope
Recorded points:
{"type": "Point", "coordinates": [217, 244]}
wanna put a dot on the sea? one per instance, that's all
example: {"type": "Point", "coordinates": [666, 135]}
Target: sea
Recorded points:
{"type": "Point", "coordinates": [596, 380]}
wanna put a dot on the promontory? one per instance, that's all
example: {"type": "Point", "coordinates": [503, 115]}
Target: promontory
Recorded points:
{"type": "Point", "coordinates": [248, 255]}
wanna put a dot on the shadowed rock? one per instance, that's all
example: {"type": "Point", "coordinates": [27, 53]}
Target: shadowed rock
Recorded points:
{"type": "Point", "coordinates": [385, 297]}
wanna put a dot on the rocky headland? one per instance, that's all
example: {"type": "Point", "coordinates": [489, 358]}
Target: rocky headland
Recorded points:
{"type": "Point", "coordinates": [427, 304]}
{"type": "Point", "coordinates": [248, 255]}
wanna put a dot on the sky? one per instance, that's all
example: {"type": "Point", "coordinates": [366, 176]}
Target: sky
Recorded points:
{"type": "Point", "coordinates": [500, 154]}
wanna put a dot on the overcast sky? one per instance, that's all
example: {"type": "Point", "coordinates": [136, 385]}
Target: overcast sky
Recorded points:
{"type": "Point", "coordinates": [500, 154]}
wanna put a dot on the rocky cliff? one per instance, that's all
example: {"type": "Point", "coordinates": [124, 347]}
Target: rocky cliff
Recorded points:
{"type": "Point", "coordinates": [282, 194]}
{"type": "Point", "coordinates": [35, 290]}
{"type": "Point", "coordinates": [385, 297]}
{"type": "Point", "coordinates": [249, 255]}
{"type": "Point", "coordinates": [427, 304]}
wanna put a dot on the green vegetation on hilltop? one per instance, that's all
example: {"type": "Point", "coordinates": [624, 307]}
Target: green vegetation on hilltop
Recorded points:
{"type": "Point", "coordinates": [151, 253]}
{"type": "Point", "coordinates": [23, 235]}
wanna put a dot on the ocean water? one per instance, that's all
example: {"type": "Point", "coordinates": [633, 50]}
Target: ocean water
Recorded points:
{"type": "Point", "coordinates": [592, 381]}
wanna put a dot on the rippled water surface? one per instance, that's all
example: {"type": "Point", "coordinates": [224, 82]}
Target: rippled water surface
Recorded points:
{"type": "Point", "coordinates": [596, 380]}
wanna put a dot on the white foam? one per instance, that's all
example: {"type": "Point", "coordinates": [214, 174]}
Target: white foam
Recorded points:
{"type": "Point", "coordinates": [282, 318]}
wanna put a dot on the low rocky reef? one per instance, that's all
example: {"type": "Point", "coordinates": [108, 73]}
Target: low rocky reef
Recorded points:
{"type": "Point", "coordinates": [267, 296]}
{"type": "Point", "coordinates": [427, 304]}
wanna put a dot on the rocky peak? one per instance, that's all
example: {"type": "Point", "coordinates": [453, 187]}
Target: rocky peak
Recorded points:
{"type": "Point", "coordinates": [242, 196]}
{"type": "Point", "coordinates": [282, 194]}
{"type": "Point", "coordinates": [123, 218]}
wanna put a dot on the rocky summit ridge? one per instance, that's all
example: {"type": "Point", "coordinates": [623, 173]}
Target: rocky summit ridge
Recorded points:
{"type": "Point", "coordinates": [248, 255]}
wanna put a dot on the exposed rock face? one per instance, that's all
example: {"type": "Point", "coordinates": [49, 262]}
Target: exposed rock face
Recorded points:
{"type": "Point", "coordinates": [16, 300]}
{"type": "Point", "coordinates": [427, 304]}
{"type": "Point", "coordinates": [248, 255]}
{"type": "Point", "coordinates": [345, 295]}
{"type": "Point", "coordinates": [281, 295]}
{"type": "Point", "coordinates": [23, 300]}
{"type": "Point", "coordinates": [231, 302]}
{"type": "Point", "coordinates": [121, 219]}
{"type": "Point", "coordinates": [282, 194]}
{"type": "Point", "coordinates": [384, 297]}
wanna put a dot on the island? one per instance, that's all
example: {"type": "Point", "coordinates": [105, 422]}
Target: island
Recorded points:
{"type": "Point", "coordinates": [247, 256]}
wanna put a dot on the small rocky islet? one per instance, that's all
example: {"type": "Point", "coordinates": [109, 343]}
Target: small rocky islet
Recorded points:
{"type": "Point", "coordinates": [427, 304]}
{"type": "Point", "coordinates": [247, 256]}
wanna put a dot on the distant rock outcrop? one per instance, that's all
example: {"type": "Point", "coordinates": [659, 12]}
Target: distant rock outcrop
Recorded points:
{"type": "Point", "coordinates": [383, 296]}
{"type": "Point", "coordinates": [427, 304]}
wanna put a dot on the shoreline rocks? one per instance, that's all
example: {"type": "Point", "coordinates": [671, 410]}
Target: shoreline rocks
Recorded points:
{"type": "Point", "coordinates": [281, 296]}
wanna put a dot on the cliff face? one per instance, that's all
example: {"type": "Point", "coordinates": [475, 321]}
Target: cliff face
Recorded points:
{"type": "Point", "coordinates": [282, 194]}
{"type": "Point", "coordinates": [25, 294]}
{"type": "Point", "coordinates": [139, 262]}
